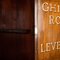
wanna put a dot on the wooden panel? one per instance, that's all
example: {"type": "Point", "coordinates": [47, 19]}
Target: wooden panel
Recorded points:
{"type": "Point", "coordinates": [16, 14]}
{"type": "Point", "coordinates": [48, 29]}
{"type": "Point", "coordinates": [25, 47]}
{"type": "Point", "coordinates": [16, 30]}
{"type": "Point", "coordinates": [8, 46]}
{"type": "Point", "coordinates": [16, 46]}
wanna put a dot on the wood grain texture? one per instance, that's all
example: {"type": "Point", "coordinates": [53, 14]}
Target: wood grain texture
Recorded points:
{"type": "Point", "coordinates": [48, 33]}
{"type": "Point", "coordinates": [16, 30]}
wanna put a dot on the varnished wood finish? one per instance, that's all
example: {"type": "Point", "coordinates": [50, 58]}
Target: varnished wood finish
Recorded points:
{"type": "Point", "coordinates": [48, 33]}
{"type": "Point", "coordinates": [16, 30]}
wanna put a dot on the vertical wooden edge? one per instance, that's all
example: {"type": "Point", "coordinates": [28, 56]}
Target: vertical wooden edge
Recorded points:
{"type": "Point", "coordinates": [36, 34]}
